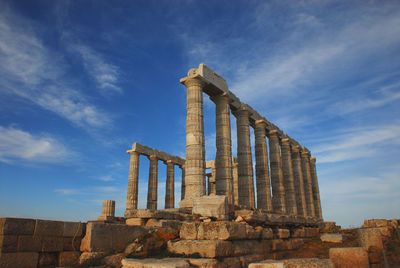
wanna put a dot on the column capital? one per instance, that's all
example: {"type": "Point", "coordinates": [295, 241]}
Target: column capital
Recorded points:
{"type": "Point", "coordinates": [296, 148]}
{"type": "Point", "coordinates": [273, 132]}
{"type": "Point", "coordinates": [152, 157]}
{"type": "Point", "coordinates": [169, 162]}
{"type": "Point", "coordinates": [285, 141]}
{"type": "Point", "coordinates": [132, 152]}
{"type": "Point", "coordinates": [313, 160]}
{"type": "Point", "coordinates": [305, 154]}
{"type": "Point", "coordinates": [261, 123]}
{"type": "Point", "coordinates": [242, 111]}
{"type": "Point", "coordinates": [193, 81]}
{"type": "Point", "coordinates": [221, 97]}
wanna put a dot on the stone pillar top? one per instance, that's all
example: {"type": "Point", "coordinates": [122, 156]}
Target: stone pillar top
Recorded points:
{"type": "Point", "coordinates": [305, 154]}
{"type": "Point", "coordinates": [313, 159]}
{"type": "Point", "coordinates": [285, 141]}
{"type": "Point", "coordinates": [152, 157]}
{"type": "Point", "coordinates": [261, 123]}
{"type": "Point", "coordinates": [273, 132]}
{"type": "Point", "coordinates": [296, 148]}
{"type": "Point", "coordinates": [169, 162]}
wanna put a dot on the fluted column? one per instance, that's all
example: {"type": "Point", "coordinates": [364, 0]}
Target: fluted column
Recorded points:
{"type": "Point", "coordinates": [288, 180]}
{"type": "Point", "coordinates": [170, 184]}
{"type": "Point", "coordinates": [299, 181]}
{"type": "Point", "coordinates": [223, 158]}
{"type": "Point", "coordinates": [183, 182]}
{"type": "Point", "coordinates": [245, 168]}
{"type": "Point", "coordinates": [153, 183]}
{"type": "Point", "coordinates": [195, 147]}
{"type": "Point", "coordinates": [278, 190]}
{"type": "Point", "coordinates": [305, 166]}
{"type": "Point", "coordinates": [235, 183]}
{"type": "Point", "coordinates": [133, 181]}
{"type": "Point", "coordinates": [262, 170]}
{"type": "Point", "coordinates": [317, 200]}
{"type": "Point", "coordinates": [108, 210]}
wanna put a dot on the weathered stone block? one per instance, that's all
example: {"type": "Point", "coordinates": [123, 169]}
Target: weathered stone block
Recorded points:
{"type": "Point", "coordinates": [87, 257]}
{"type": "Point", "coordinates": [153, 263]}
{"type": "Point", "coordinates": [267, 233]}
{"type": "Point", "coordinates": [213, 206]}
{"type": "Point", "coordinates": [294, 263]}
{"type": "Point", "coordinates": [279, 244]}
{"type": "Point", "coordinates": [222, 230]}
{"type": "Point", "coordinates": [51, 244]}
{"type": "Point", "coordinates": [295, 243]}
{"type": "Point", "coordinates": [246, 247]}
{"type": "Point", "coordinates": [329, 227]}
{"type": "Point", "coordinates": [283, 233]}
{"type": "Point", "coordinates": [246, 260]}
{"type": "Point", "coordinates": [49, 228]}
{"type": "Point", "coordinates": [47, 259]}
{"type": "Point", "coordinates": [102, 237]}
{"type": "Point", "coordinates": [311, 232]}
{"type": "Point", "coordinates": [8, 243]}
{"type": "Point", "coordinates": [349, 257]}
{"type": "Point", "coordinates": [332, 238]}
{"type": "Point", "coordinates": [74, 229]}
{"type": "Point", "coordinates": [71, 243]}
{"type": "Point", "coordinates": [19, 259]}
{"type": "Point", "coordinates": [252, 233]}
{"type": "Point", "coordinates": [136, 221]}
{"type": "Point", "coordinates": [370, 237]}
{"type": "Point", "coordinates": [29, 243]}
{"type": "Point", "coordinates": [373, 223]}
{"type": "Point", "coordinates": [16, 226]}
{"type": "Point", "coordinates": [299, 233]}
{"type": "Point", "coordinates": [114, 260]}
{"type": "Point", "coordinates": [68, 258]}
{"type": "Point", "coordinates": [204, 263]}
{"type": "Point", "coordinates": [205, 248]}
{"type": "Point", "coordinates": [232, 262]}
{"type": "Point", "coordinates": [189, 231]}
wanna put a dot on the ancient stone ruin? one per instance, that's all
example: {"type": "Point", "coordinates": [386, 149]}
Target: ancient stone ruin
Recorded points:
{"type": "Point", "coordinates": [222, 219]}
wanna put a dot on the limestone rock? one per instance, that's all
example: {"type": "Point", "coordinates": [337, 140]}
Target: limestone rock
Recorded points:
{"type": "Point", "coordinates": [15, 226]}
{"type": "Point", "coordinates": [136, 221]}
{"type": "Point", "coordinates": [47, 259]}
{"type": "Point", "coordinates": [49, 228]}
{"type": "Point", "coordinates": [205, 248]}
{"type": "Point", "coordinates": [8, 243]}
{"type": "Point", "coordinates": [332, 238]}
{"type": "Point", "coordinates": [189, 231]}
{"type": "Point", "coordinates": [349, 257]}
{"type": "Point", "coordinates": [370, 237]}
{"type": "Point", "coordinates": [283, 233]}
{"type": "Point", "coordinates": [87, 257]}
{"type": "Point", "coordinates": [267, 233]}
{"type": "Point", "coordinates": [68, 258]}
{"type": "Point", "coordinates": [214, 206]}
{"type": "Point", "coordinates": [222, 230]}
{"type": "Point", "coordinates": [74, 229]}
{"type": "Point", "coordinates": [19, 259]}
{"type": "Point", "coordinates": [155, 263]}
{"type": "Point", "coordinates": [294, 263]}
{"type": "Point", "coordinates": [114, 260]}
{"type": "Point", "coordinates": [204, 263]}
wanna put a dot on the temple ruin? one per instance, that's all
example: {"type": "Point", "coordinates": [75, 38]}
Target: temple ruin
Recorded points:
{"type": "Point", "coordinates": [285, 175]}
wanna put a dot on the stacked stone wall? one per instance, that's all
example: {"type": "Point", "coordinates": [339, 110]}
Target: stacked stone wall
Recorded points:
{"type": "Point", "coordinates": [39, 243]}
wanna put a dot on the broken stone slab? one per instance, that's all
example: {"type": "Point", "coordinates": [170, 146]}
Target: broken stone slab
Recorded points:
{"type": "Point", "coordinates": [294, 263]}
{"type": "Point", "coordinates": [370, 237]}
{"type": "Point", "coordinates": [204, 263]}
{"type": "Point", "coordinates": [329, 227]}
{"type": "Point", "coordinates": [222, 230]}
{"type": "Point", "coordinates": [136, 221]}
{"type": "Point", "coordinates": [189, 231]}
{"type": "Point", "coordinates": [373, 223]}
{"type": "Point", "coordinates": [155, 263]}
{"type": "Point", "coordinates": [349, 257]}
{"type": "Point", "coordinates": [103, 237]}
{"type": "Point", "coordinates": [332, 238]}
{"type": "Point", "coordinates": [213, 206]}
{"type": "Point", "coordinates": [205, 248]}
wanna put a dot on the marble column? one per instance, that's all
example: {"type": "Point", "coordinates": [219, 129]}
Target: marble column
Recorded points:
{"type": "Point", "coordinates": [133, 183]}
{"type": "Point", "coordinates": [170, 185]}
{"type": "Point", "coordinates": [223, 157]}
{"type": "Point", "coordinates": [288, 179]}
{"type": "Point", "coordinates": [211, 184]}
{"type": "Point", "coordinates": [195, 147]}
{"type": "Point", "coordinates": [108, 210]}
{"type": "Point", "coordinates": [245, 168]}
{"type": "Point", "coordinates": [264, 201]}
{"type": "Point", "coordinates": [278, 190]}
{"type": "Point", "coordinates": [183, 182]}
{"type": "Point", "coordinates": [235, 182]}
{"type": "Point", "coordinates": [305, 166]}
{"type": "Point", "coordinates": [317, 200]}
{"type": "Point", "coordinates": [298, 181]}
{"type": "Point", "coordinates": [153, 183]}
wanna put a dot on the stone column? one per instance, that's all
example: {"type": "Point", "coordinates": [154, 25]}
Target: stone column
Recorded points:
{"type": "Point", "coordinates": [235, 182]}
{"type": "Point", "coordinates": [195, 147]}
{"type": "Point", "coordinates": [170, 184]}
{"type": "Point", "coordinates": [223, 157]}
{"type": "Point", "coordinates": [108, 210]}
{"type": "Point", "coordinates": [305, 166]}
{"type": "Point", "coordinates": [211, 184]}
{"type": "Point", "coordinates": [183, 183]}
{"type": "Point", "coordinates": [262, 168]}
{"type": "Point", "coordinates": [288, 179]}
{"type": "Point", "coordinates": [245, 168]}
{"type": "Point", "coordinates": [278, 190]}
{"type": "Point", "coordinates": [153, 183]}
{"type": "Point", "coordinates": [298, 181]}
{"type": "Point", "coordinates": [317, 200]}
{"type": "Point", "coordinates": [132, 195]}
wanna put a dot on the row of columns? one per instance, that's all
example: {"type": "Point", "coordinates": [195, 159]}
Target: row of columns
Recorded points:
{"type": "Point", "coordinates": [293, 178]}
{"type": "Point", "coordinates": [133, 183]}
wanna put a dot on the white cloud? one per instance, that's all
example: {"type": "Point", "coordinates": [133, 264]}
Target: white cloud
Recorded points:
{"type": "Point", "coordinates": [105, 74]}
{"type": "Point", "coordinates": [106, 178]}
{"type": "Point", "coordinates": [32, 71]}
{"type": "Point", "coordinates": [16, 144]}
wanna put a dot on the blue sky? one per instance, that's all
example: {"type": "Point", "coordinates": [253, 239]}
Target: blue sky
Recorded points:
{"type": "Point", "coordinates": [83, 80]}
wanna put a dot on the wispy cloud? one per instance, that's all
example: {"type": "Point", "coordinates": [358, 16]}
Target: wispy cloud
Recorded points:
{"type": "Point", "coordinates": [88, 190]}
{"type": "Point", "coordinates": [106, 178]}
{"type": "Point", "coordinates": [16, 144]}
{"type": "Point", "coordinates": [105, 74]}
{"type": "Point", "coordinates": [32, 71]}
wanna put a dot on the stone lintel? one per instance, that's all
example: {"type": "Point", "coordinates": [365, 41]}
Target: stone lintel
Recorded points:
{"type": "Point", "coordinates": [147, 151]}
